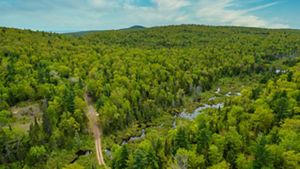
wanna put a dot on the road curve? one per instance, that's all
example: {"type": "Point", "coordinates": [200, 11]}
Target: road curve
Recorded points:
{"type": "Point", "coordinates": [93, 123]}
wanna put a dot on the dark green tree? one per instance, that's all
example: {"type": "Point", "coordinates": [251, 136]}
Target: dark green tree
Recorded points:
{"type": "Point", "coordinates": [121, 161]}
{"type": "Point", "coordinates": [261, 154]}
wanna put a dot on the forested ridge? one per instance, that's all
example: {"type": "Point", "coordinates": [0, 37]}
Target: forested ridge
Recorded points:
{"type": "Point", "coordinates": [142, 79]}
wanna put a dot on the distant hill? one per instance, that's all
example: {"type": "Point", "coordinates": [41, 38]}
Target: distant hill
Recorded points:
{"type": "Point", "coordinates": [81, 33]}
{"type": "Point", "coordinates": [134, 27]}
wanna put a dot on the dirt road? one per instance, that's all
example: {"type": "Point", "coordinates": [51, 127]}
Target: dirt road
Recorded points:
{"type": "Point", "coordinates": [93, 123]}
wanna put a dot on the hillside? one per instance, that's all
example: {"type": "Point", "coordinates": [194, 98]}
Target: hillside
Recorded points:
{"type": "Point", "coordinates": [82, 33]}
{"type": "Point", "coordinates": [183, 96]}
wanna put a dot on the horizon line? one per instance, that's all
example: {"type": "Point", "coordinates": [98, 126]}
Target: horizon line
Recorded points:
{"type": "Point", "coordinates": [146, 27]}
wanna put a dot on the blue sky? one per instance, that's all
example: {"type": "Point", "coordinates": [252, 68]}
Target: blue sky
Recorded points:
{"type": "Point", "coordinates": [78, 15]}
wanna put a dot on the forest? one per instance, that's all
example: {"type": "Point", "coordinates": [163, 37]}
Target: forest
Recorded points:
{"type": "Point", "coordinates": [176, 97]}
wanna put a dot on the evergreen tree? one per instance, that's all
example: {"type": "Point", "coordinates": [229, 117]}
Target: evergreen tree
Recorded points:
{"type": "Point", "coordinates": [261, 154]}
{"type": "Point", "coordinates": [181, 139]}
{"type": "Point", "coordinates": [139, 159]}
{"type": "Point", "coordinates": [121, 161]}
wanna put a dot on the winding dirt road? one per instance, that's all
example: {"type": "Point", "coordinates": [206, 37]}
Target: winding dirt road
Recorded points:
{"type": "Point", "coordinates": [93, 123]}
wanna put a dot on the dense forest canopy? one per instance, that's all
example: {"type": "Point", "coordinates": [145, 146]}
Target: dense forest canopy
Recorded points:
{"type": "Point", "coordinates": [142, 79]}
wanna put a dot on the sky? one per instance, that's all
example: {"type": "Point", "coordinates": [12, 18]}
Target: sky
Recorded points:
{"type": "Point", "coordinates": [81, 15]}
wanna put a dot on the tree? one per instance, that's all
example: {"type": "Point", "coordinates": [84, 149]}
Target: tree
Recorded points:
{"type": "Point", "coordinates": [69, 125]}
{"type": "Point", "coordinates": [233, 145]}
{"type": "Point", "coordinates": [189, 159]}
{"type": "Point", "coordinates": [181, 139]}
{"type": "Point", "coordinates": [289, 135]}
{"type": "Point", "coordinates": [276, 153]}
{"type": "Point", "coordinates": [139, 159]}
{"type": "Point", "coordinates": [280, 105]}
{"type": "Point", "coordinates": [120, 160]}
{"type": "Point", "coordinates": [47, 126]}
{"type": "Point", "coordinates": [263, 117]}
{"type": "Point", "coordinates": [242, 162]}
{"type": "Point", "coordinates": [221, 165]}
{"type": "Point", "coordinates": [203, 137]}
{"type": "Point", "coordinates": [214, 155]}
{"type": "Point", "coordinates": [69, 99]}
{"type": "Point", "coordinates": [152, 159]}
{"type": "Point", "coordinates": [261, 154]}
{"type": "Point", "coordinates": [291, 159]}
{"type": "Point", "coordinates": [37, 154]}
{"type": "Point", "coordinates": [5, 117]}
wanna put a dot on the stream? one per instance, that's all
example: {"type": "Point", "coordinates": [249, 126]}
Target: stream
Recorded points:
{"type": "Point", "coordinates": [134, 138]}
{"type": "Point", "coordinates": [196, 112]}
{"type": "Point", "coordinates": [183, 115]}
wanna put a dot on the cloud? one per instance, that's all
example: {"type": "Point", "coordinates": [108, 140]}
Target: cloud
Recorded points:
{"type": "Point", "coordinates": [113, 14]}
{"type": "Point", "coordinates": [99, 2]}
{"type": "Point", "coordinates": [104, 3]}
{"type": "Point", "coordinates": [262, 6]}
{"type": "Point", "coordinates": [220, 12]}
{"type": "Point", "coordinates": [171, 4]}
{"type": "Point", "coordinates": [217, 12]}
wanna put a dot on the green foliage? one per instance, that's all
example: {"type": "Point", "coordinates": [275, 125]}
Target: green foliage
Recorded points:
{"type": "Point", "coordinates": [242, 162]}
{"type": "Point", "coordinates": [214, 154]}
{"type": "Point", "coordinates": [36, 155]}
{"type": "Point", "coordinates": [188, 159]}
{"type": "Point", "coordinates": [221, 165]}
{"type": "Point", "coordinates": [73, 166]}
{"type": "Point", "coordinates": [262, 156]}
{"type": "Point", "coordinates": [120, 161]}
{"type": "Point", "coordinates": [181, 139]}
{"type": "Point", "coordinates": [137, 76]}
{"type": "Point", "coordinates": [5, 117]}
{"type": "Point", "coordinates": [203, 138]}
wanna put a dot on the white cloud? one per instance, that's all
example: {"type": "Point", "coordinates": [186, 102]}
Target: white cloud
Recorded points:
{"type": "Point", "coordinates": [171, 4]}
{"type": "Point", "coordinates": [219, 12]}
{"type": "Point", "coordinates": [262, 6]}
{"type": "Point", "coordinates": [164, 12]}
{"type": "Point", "coordinates": [98, 2]}
{"type": "Point", "coordinates": [104, 3]}
{"type": "Point", "coordinates": [114, 14]}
